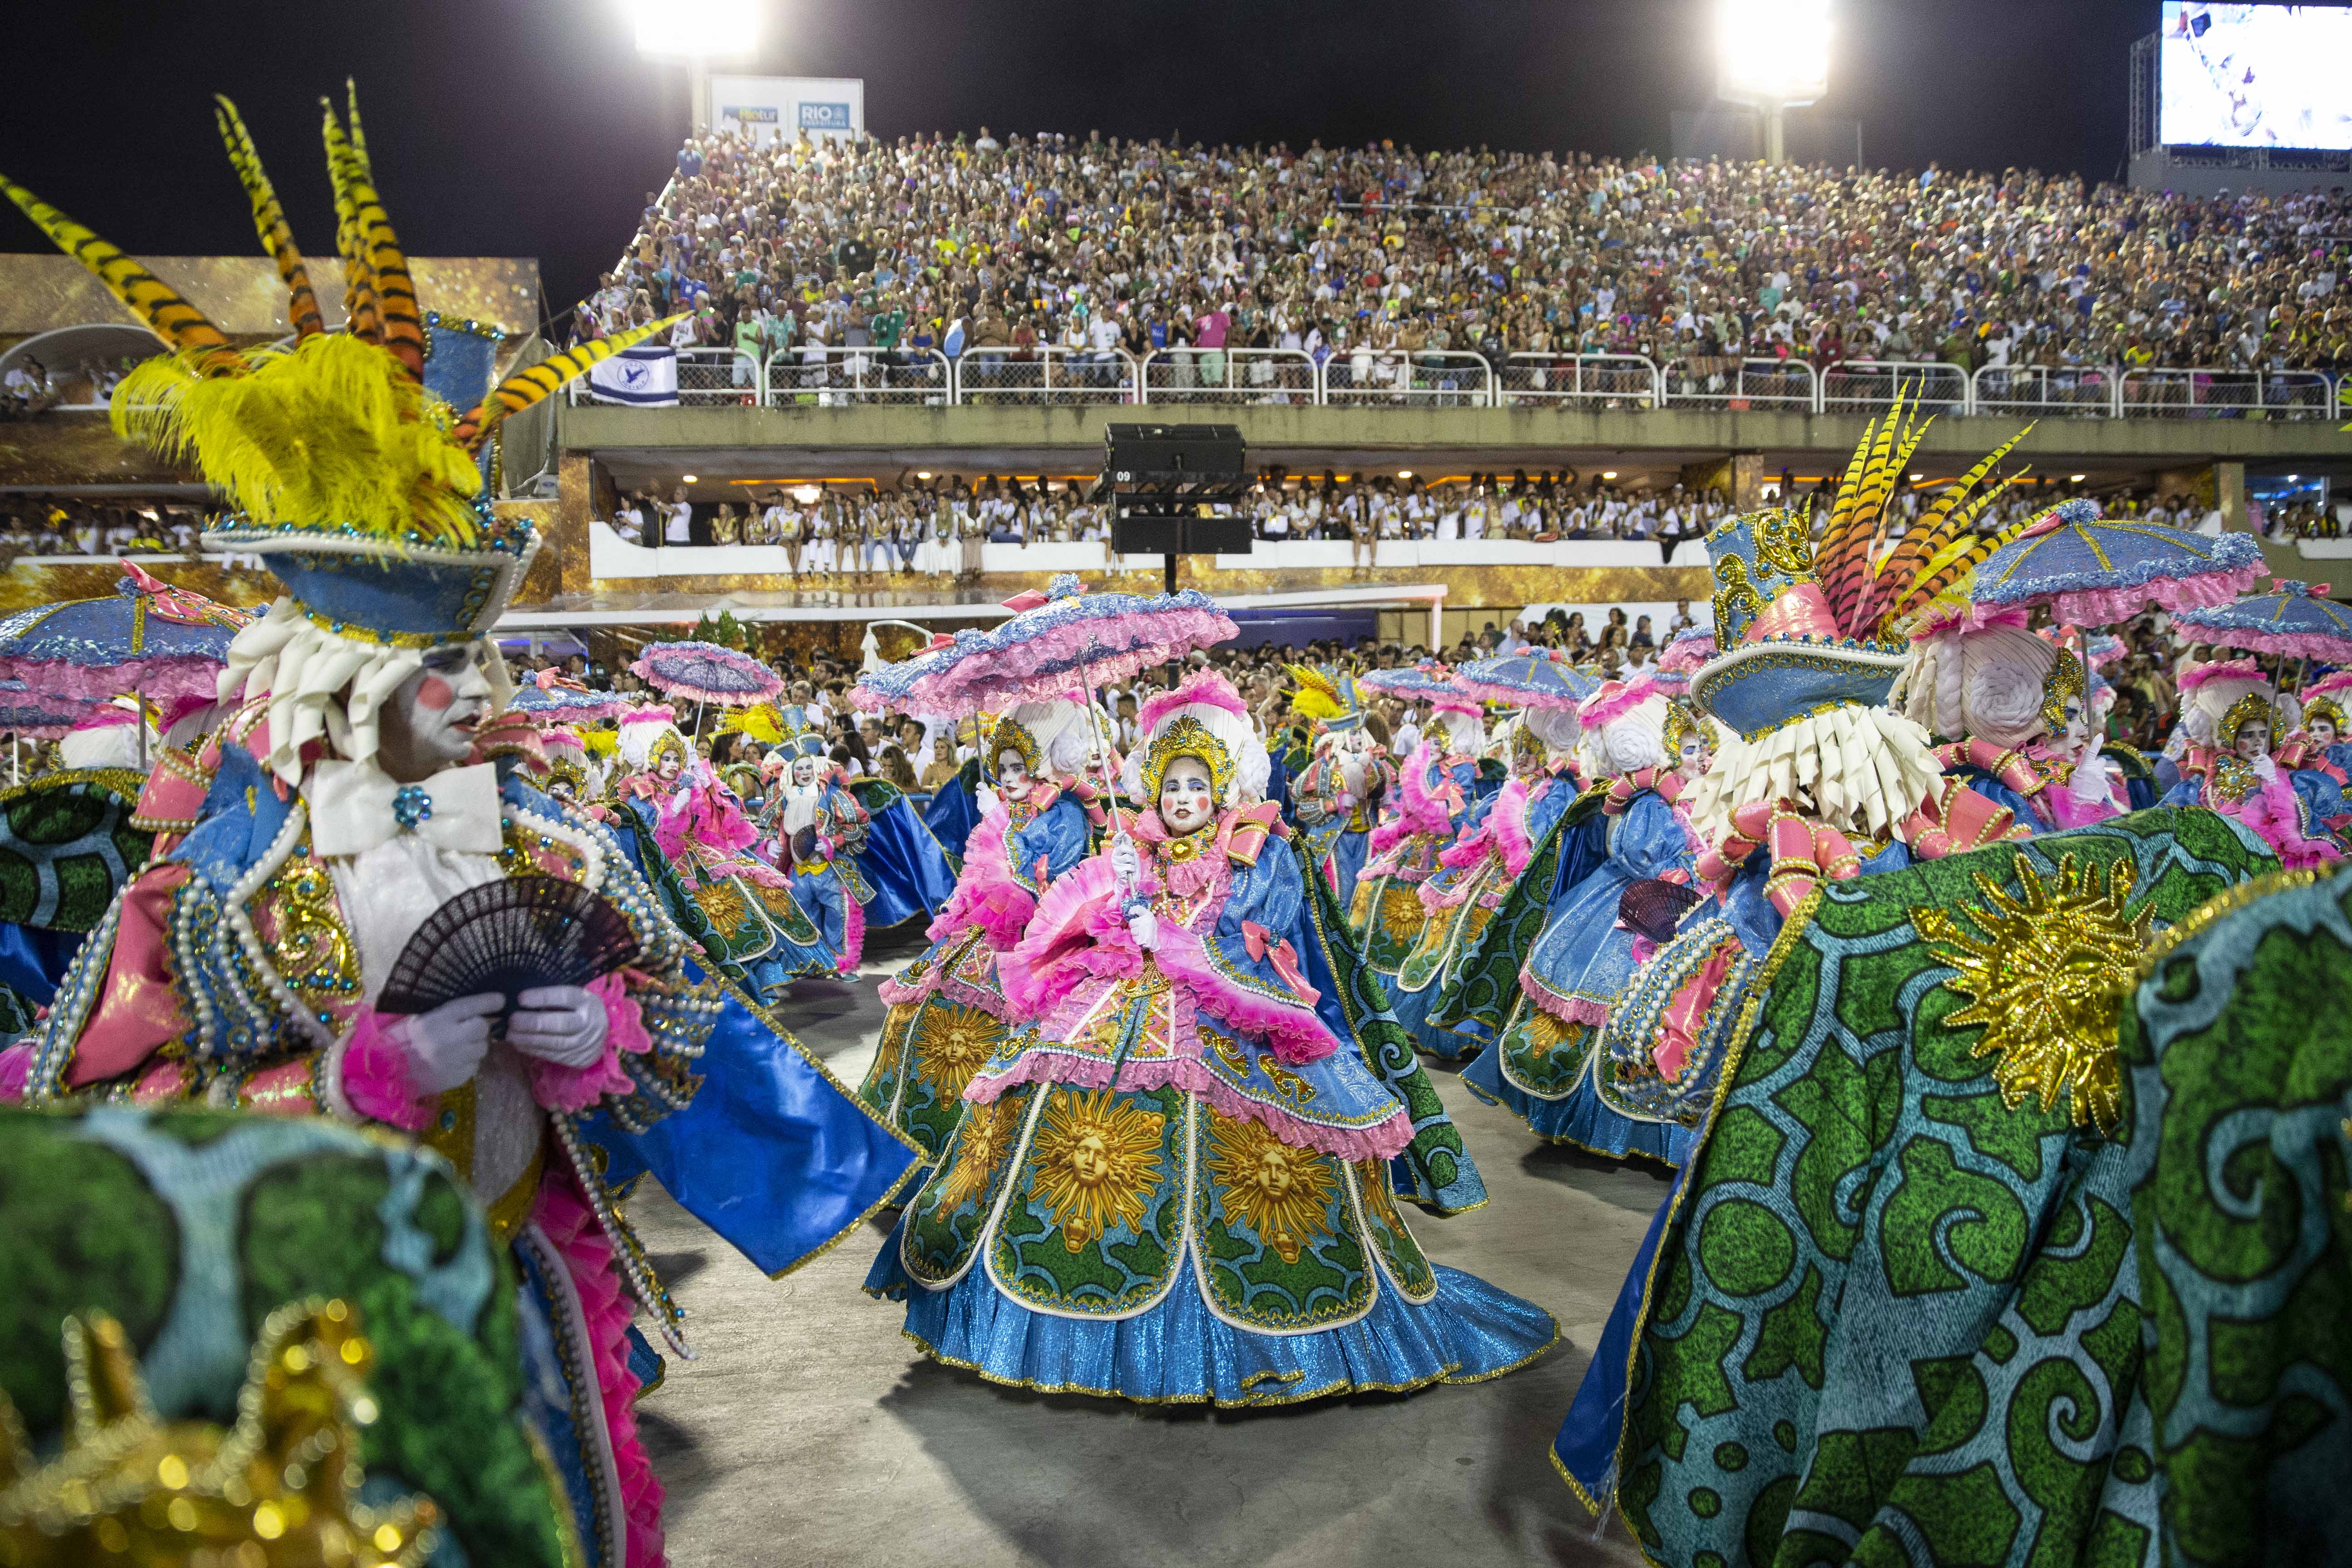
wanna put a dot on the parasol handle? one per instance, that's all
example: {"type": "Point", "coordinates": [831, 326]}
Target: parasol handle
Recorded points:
{"type": "Point", "coordinates": [1110, 789]}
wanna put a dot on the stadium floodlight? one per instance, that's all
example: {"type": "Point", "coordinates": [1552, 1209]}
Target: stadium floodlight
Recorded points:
{"type": "Point", "coordinates": [1775, 57]}
{"type": "Point", "coordinates": [694, 29]}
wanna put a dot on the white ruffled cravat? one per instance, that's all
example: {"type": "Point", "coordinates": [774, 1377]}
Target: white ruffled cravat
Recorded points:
{"type": "Point", "coordinates": [352, 809]}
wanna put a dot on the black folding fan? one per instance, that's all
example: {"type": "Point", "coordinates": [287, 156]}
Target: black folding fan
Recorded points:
{"type": "Point", "coordinates": [508, 936]}
{"type": "Point", "coordinates": [1653, 908]}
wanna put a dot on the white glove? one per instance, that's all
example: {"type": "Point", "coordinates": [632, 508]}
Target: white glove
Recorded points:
{"type": "Point", "coordinates": [2265, 768]}
{"type": "Point", "coordinates": [2090, 780]}
{"type": "Point", "coordinates": [559, 1023]}
{"type": "Point", "coordinates": [445, 1046]}
{"type": "Point", "coordinates": [1144, 927]}
{"type": "Point", "coordinates": [1125, 862]}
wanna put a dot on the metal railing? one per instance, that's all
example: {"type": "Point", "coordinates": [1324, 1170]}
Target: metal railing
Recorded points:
{"type": "Point", "coordinates": [838, 377]}
{"type": "Point", "coordinates": [1440, 378]}
{"type": "Point", "coordinates": [1777, 385]}
{"type": "Point", "coordinates": [1228, 375]}
{"type": "Point", "coordinates": [2226, 395]}
{"type": "Point", "coordinates": [1867, 386]}
{"type": "Point", "coordinates": [2042, 392]}
{"type": "Point", "coordinates": [1592, 381]}
{"type": "Point", "coordinates": [1369, 378]}
{"type": "Point", "coordinates": [1046, 374]}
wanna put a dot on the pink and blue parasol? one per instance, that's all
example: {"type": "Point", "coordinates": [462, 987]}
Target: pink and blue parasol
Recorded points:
{"type": "Point", "coordinates": [2293, 620]}
{"type": "Point", "coordinates": [43, 719]}
{"type": "Point", "coordinates": [1531, 678]}
{"type": "Point", "coordinates": [147, 636]}
{"type": "Point", "coordinates": [2097, 573]}
{"type": "Point", "coordinates": [1054, 642]}
{"type": "Point", "coordinates": [722, 677]}
{"type": "Point", "coordinates": [552, 701]}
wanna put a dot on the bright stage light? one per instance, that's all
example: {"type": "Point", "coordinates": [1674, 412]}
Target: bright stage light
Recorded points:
{"type": "Point", "coordinates": [686, 477]}
{"type": "Point", "coordinates": [694, 29]}
{"type": "Point", "coordinates": [1774, 52]}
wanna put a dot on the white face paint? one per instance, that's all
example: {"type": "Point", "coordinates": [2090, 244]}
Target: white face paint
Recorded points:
{"type": "Point", "coordinates": [669, 766]}
{"type": "Point", "coordinates": [2323, 733]}
{"type": "Point", "coordinates": [1692, 759]}
{"type": "Point", "coordinates": [1013, 779]}
{"type": "Point", "coordinates": [804, 771]}
{"type": "Point", "coordinates": [2253, 740]}
{"type": "Point", "coordinates": [1186, 801]}
{"type": "Point", "coordinates": [429, 722]}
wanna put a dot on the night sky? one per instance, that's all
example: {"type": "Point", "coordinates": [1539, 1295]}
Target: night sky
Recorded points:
{"type": "Point", "coordinates": [532, 128]}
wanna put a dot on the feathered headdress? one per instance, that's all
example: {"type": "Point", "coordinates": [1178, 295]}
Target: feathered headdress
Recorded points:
{"type": "Point", "coordinates": [362, 491]}
{"type": "Point", "coordinates": [1206, 717]}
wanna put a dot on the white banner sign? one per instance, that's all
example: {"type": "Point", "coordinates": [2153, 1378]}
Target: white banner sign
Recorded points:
{"type": "Point", "coordinates": [768, 107]}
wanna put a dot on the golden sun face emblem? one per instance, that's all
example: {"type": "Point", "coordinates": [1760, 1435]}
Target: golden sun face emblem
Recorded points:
{"type": "Point", "coordinates": [1282, 1191]}
{"type": "Point", "coordinates": [953, 1046]}
{"type": "Point", "coordinates": [2047, 980]}
{"type": "Point", "coordinates": [1097, 1160]}
{"type": "Point", "coordinates": [1547, 1034]}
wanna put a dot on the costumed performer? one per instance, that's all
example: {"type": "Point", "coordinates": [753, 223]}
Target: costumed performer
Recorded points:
{"type": "Point", "coordinates": [1171, 1182]}
{"type": "Point", "coordinates": [1435, 802]}
{"type": "Point", "coordinates": [1817, 781]}
{"type": "Point", "coordinates": [948, 1013]}
{"type": "Point", "coordinates": [1340, 781]}
{"type": "Point", "coordinates": [1545, 1066]}
{"type": "Point", "coordinates": [694, 844]}
{"type": "Point", "coordinates": [2319, 742]}
{"type": "Point", "coordinates": [1478, 874]}
{"type": "Point", "coordinates": [341, 812]}
{"type": "Point", "coordinates": [2230, 715]}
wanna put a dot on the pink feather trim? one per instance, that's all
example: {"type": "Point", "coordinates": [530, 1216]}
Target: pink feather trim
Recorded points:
{"type": "Point", "coordinates": [1614, 700]}
{"type": "Point", "coordinates": [1382, 1140]}
{"type": "Point", "coordinates": [1079, 933]}
{"type": "Point", "coordinates": [15, 1071]}
{"type": "Point", "coordinates": [375, 1075]}
{"type": "Point", "coordinates": [568, 1223]}
{"type": "Point", "coordinates": [1204, 686]}
{"type": "Point", "coordinates": [2325, 684]}
{"type": "Point", "coordinates": [853, 932]}
{"type": "Point", "coordinates": [986, 895]}
{"type": "Point", "coordinates": [161, 680]}
{"type": "Point", "coordinates": [1567, 1009]}
{"type": "Point", "coordinates": [2231, 670]}
{"type": "Point", "coordinates": [1417, 810]}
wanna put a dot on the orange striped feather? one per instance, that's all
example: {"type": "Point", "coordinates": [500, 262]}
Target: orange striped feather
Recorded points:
{"type": "Point", "coordinates": [359, 317]}
{"type": "Point", "coordinates": [525, 387]}
{"type": "Point", "coordinates": [1842, 566]}
{"type": "Point", "coordinates": [396, 291]}
{"type": "Point", "coordinates": [270, 220]}
{"type": "Point", "coordinates": [169, 317]}
{"type": "Point", "coordinates": [1951, 515]}
{"type": "Point", "coordinates": [1959, 558]}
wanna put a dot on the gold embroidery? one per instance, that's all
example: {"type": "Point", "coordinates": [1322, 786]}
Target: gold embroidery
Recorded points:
{"type": "Point", "coordinates": [1547, 1034]}
{"type": "Point", "coordinates": [1401, 913]}
{"type": "Point", "coordinates": [1285, 1082]}
{"type": "Point", "coordinates": [2047, 980]}
{"type": "Point", "coordinates": [1188, 737]}
{"type": "Point", "coordinates": [1783, 544]}
{"type": "Point", "coordinates": [1097, 1160]}
{"type": "Point", "coordinates": [311, 949]}
{"type": "Point", "coordinates": [723, 904]}
{"type": "Point", "coordinates": [987, 1135]}
{"type": "Point", "coordinates": [1282, 1193]}
{"type": "Point", "coordinates": [1734, 595]}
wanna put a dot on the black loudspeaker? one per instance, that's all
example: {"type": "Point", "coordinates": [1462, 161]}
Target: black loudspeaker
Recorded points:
{"type": "Point", "coordinates": [1163, 535]}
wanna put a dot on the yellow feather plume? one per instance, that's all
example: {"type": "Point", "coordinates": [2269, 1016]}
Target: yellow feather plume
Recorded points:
{"type": "Point", "coordinates": [168, 316]}
{"type": "Point", "coordinates": [270, 220]}
{"type": "Point", "coordinates": [332, 430]}
{"type": "Point", "coordinates": [761, 722]}
{"type": "Point", "coordinates": [599, 743]}
{"type": "Point", "coordinates": [1317, 696]}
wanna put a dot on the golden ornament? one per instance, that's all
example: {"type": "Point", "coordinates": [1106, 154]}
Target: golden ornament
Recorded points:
{"type": "Point", "coordinates": [1097, 1160]}
{"type": "Point", "coordinates": [2047, 981]}
{"type": "Point", "coordinates": [273, 1491]}
{"type": "Point", "coordinates": [1282, 1191]}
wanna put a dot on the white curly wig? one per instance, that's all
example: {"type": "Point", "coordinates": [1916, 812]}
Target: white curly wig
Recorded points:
{"type": "Point", "coordinates": [1210, 700]}
{"type": "Point", "coordinates": [1988, 684]}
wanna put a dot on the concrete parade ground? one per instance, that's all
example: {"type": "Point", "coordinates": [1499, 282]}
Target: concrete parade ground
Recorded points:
{"type": "Point", "coordinates": [810, 1431]}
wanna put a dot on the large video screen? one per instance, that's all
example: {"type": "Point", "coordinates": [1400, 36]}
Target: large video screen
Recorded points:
{"type": "Point", "coordinates": [2256, 76]}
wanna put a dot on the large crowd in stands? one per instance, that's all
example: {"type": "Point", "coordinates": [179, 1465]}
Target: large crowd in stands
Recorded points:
{"type": "Point", "coordinates": [977, 244]}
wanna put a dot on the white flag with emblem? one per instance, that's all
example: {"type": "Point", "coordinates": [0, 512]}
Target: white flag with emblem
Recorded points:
{"type": "Point", "coordinates": [646, 375]}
